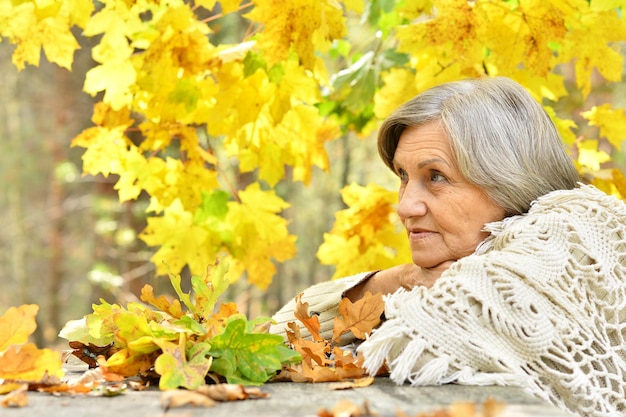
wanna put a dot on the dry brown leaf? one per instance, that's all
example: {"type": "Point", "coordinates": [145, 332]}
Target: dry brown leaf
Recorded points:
{"type": "Point", "coordinates": [89, 353]}
{"type": "Point", "coordinates": [16, 398]}
{"type": "Point", "coordinates": [319, 373]}
{"type": "Point", "coordinates": [356, 383]}
{"type": "Point", "coordinates": [230, 392]}
{"type": "Point", "coordinates": [90, 376]}
{"type": "Point", "coordinates": [492, 408]}
{"type": "Point", "coordinates": [313, 353]}
{"type": "Point", "coordinates": [181, 397]}
{"type": "Point", "coordinates": [462, 409]}
{"type": "Point", "coordinates": [347, 408]}
{"type": "Point", "coordinates": [312, 324]}
{"type": "Point", "coordinates": [360, 317]}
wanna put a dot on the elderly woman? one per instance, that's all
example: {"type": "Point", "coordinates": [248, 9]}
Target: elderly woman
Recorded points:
{"type": "Point", "coordinates": [519, 271]}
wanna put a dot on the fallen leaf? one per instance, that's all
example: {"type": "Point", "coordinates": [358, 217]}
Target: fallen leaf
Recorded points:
{"type": "Point", "coordinates": [90, 376]}
{"type": "Point", "coordinates": [16, 398]}
{"type": "Point", "coordinates": [180, 397]}
{"type": "Point", "coordinates": [89, 353]}
{"type": "Point", "coordinates": [492, 408]}
{"type": "Point", "coordinates": [357, 383]}
{"type": "Point", "coordinates": [29, 363]}
{"type": "Point", "coordinates": [7, 387]}
{"type": "Point", "coordinates": [462, 409]}
{"type": "Point", "coordinates": [312, 323]}
{"type": "Point", "coordinates": [109, 390]}
{"type": "Point", "coordinates": [16, 324]}
{"type": "Point", "coordinates": [107, 375]}
{"type": "Point", "coordinates": [347, 408]}
{"type": "Point", "coordinates": [360, 317]}
{"type": "Point", "coordinates": [230, 392]}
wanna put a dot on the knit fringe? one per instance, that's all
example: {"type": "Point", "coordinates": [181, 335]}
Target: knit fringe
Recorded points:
{"type": "Point", "coordinates": [417, 365]}
{"type": "Point", "coordinates": [378, 345]}
{"type": "Point", "coordinates": [468, 376]}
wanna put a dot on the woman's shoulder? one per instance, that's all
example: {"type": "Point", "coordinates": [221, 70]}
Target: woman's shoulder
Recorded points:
{"type": "Point", "coordinates": [556, 216]}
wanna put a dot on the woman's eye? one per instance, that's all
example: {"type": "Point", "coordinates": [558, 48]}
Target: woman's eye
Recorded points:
{"type": "Point", "coordinates": [437, 176]}
{"type": "Point", "coordinates": [403, 175]}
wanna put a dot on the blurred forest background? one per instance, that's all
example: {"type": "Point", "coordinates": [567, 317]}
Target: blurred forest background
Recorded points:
{"type": "Point", "coordinates": [66, 241]}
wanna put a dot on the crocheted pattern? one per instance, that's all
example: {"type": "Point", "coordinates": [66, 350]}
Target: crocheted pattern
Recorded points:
{"type": "Point", "coordinates": [541, 304]}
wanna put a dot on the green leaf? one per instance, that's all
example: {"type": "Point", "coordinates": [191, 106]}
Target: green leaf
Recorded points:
{"type": "Point", "coordinates": [191, 324]}
{"type": "Point", "coordinates": [252, 62]}
{"type": "Point", "coordinates": [245, 358]}
{"type": "Point", "coordinates": [214, 205]}
{"type": "Point", "coordinates": [184, 297]}
{"type": "Point", "coordinates": [208, 290]}
{"type": "Point", "coordinates": [179, 367]}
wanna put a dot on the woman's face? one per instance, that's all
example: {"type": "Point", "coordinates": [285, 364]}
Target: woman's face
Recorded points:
{"type": "Point", "coordinates": [443, 213]}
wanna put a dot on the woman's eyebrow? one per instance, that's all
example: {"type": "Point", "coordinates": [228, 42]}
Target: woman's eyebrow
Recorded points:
{"type": "Point", "coordinates": [431, 161]}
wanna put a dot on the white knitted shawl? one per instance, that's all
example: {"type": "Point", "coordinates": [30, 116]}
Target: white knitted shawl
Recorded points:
{"type": "Point", "coordinates": [541, 304]}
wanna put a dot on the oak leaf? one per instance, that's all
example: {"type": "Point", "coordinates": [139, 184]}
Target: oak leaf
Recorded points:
{"type": "Point", "coordinates": [173, 308]}
{"type": "Point", "coordinates": [180, 397]}
{"type": "Point", "coordinates": [360, 317]}
{"type": "Point", "coordinates": [312, 323]}
{"type": "Point", "coordinates": [29, 363]}
{"type": "Point", "coordinates": [182, 368]}
{"type": "Point", "coordinates": [230, 392]}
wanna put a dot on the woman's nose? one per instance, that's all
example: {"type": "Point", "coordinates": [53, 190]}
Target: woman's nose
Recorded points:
{"type": "Point", "coordinates": [411, 201]}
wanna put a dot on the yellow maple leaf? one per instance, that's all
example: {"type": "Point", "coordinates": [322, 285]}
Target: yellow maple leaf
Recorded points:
{"type": "Point", "coordinates": [115, 77]}
{"type": "Point", "coordinates": [619, 180]}
{"type": "Point", "coordinates": [365, 236]}
{"type": "Point", "coordinates": [611, 123]}
{"type": "Point", "coordinates": [304, 25]}
{"type": "Point", "coordinates": [259, 233]}
{"type": "Point", "coordinates": [34, 26]}
{"type": "Point", "coordinates": [399, 87]}
{"type": "Point", "coordinates": [105, 148]}
{"type": "Point", "coordinates": [589, 155]}
{"type": "Point", "coordinates": [180, 240]}
{"type": "Point", "coordinates": [590, 44]}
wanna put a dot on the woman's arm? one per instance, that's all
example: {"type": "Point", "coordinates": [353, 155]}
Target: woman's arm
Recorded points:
{"type": "Point", "coordinates": [324, 298]}
{"type": "Point", "coordinates": [389, 280]}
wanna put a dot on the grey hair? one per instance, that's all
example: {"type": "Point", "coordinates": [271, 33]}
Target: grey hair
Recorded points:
{"type": "Point", "coordinates": [501, 137]}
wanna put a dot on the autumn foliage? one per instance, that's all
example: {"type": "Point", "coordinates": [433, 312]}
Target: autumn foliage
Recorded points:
{"type": "Point", "coordinates": [209, 130]}
{"type": "Point", "coordinates": [181, 115]}
{"type": "Point", "coordinates": [181, 342]}
{"type": "Point", "coordinates": [327, 359]}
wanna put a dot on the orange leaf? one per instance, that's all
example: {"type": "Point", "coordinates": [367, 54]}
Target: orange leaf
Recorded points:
{"type": "Point", "coordinates": [16, 324]}
{"type": "Point", "coordinates": [215, 325]}
{"type": "Point", "coordinates": [29, 363]}
{"type": "Point", "coordinates": [313, 352]}
{"type": "Point", "coordinates": [360, 317]}
{"type": "Point", "coordinates": [311, 323]}
{"type": "Point", "coordinates": [16, 398]}
{"type": "Point", "coordinates": [230, 392]}
{"type": "Point", "coordinates": [319, 373]}
{"type": "Point", "coordinates": [173, 308]}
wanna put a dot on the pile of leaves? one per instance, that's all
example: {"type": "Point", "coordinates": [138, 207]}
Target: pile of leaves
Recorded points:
{"type": "Point", "coordinates": [181, 342]}
{"type": "Point", "coordinates": [22, 364]}
{"type": "Point", "coordinates": [326, 359]}
{"type": "Point", "coordinates": [186, 342]}
{"type": "Point", "coordinates": [489, 408]}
